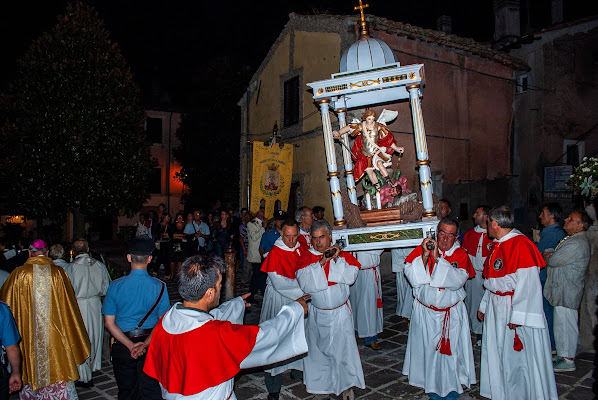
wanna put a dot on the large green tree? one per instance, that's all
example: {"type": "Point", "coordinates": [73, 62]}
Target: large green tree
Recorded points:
{"type": "Point", "coordinates": [73, 138]}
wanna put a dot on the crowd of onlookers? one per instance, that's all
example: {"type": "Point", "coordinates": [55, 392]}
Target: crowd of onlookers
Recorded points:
{"type": "Point", "coordinates": [489, 279]}
{"type": "Point", "coordinates": [212, 232]}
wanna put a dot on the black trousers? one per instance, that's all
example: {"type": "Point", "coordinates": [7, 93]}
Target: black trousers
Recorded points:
{"type": "Point", "coordinates": [132, 382]}
{"type": "Point", "coordinates": [4, 375]}
{"type": "Point", "coordinates": [258, 279]}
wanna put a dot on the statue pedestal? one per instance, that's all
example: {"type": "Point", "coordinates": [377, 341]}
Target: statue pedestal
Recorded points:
{"type": "Point", "coordinates": [385, 216]}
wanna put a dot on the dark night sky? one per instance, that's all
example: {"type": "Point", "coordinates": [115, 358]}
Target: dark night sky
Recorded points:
{"type": "Point", "coordinates": [178, 40]}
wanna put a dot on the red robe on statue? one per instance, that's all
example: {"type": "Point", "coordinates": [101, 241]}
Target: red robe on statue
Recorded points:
{"type": "Point", "coordinates": [361, 160]}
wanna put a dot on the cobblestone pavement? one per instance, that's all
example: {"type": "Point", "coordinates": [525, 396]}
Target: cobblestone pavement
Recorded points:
{"type": "Point", "coordinates": [382, 368]}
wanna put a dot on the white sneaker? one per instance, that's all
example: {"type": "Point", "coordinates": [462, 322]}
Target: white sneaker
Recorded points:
{"type": "Point", "coordinates": [563, 365]}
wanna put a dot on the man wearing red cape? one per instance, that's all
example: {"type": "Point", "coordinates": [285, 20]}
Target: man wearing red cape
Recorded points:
{"type": "Point", "coordinates": [439, 357]}
{"type": "Point", "coordinates": [197, 348]}
{"type": "Point", "coordinates": [332, 364]}
{"type": "Point", "coordinates": [516, 360]}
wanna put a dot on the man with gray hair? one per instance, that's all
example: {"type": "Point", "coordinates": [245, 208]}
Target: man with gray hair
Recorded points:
{"type": "Point", "coordinates": [567, 267]}
{"type": "Point", "coordinates": [57, 255]}
{"type": "Point", "coordinates": [305, 217]}
{"type": "Point", "coordinates": [45, 309]}
{"type": "Point", "coordinates": [198, 347]}
{"type": "Point", "coordinates": [325, 272]}
{"type": "Point", "coordinates": [90, 280]}
{"type": "Point", "coordinates": [516, 360]}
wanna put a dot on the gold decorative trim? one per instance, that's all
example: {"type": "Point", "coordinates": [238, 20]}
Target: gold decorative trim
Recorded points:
{"type": "Point", "coordinates": [428, 214]}
{"type": "Point", "coordinates": [412, 87]}
{"type": "Point", "coordinates": [421, 163]}
{"type": "Point", "coordinates": [425, 184]}
{"type": "Point", "coordinates": [42, 287]}
{"type": "Point", "coordinates": [331, 174]}
{"type": "Point", "coordinates": [411, 75]}
{"type": "Point", "coordinates": [348, 173]}
{"type": "Point", "coordinates": [324, 101]}
{"type": "Point", "coordinates": [364, 83]}
{"type": "Point", "coordinates": [341, 110]}
{"type": "Point", "coordinates": [394, 78]}
{"type": "Point", "coordinates": [340, 222]}
{"type": "Point", "coordinates": [335, 88]}
{"type": "Point", "coordinates": [320, 91]}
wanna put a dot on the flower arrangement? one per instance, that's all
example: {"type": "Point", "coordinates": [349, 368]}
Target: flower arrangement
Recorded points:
{"type": "Point", "coordinates": [584, 180]}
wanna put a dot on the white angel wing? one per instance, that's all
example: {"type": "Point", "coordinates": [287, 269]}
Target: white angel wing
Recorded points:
{"type": "Point", "coordinates": [355, 121]}
{"type": "Point", "coordinates": [387, 116]}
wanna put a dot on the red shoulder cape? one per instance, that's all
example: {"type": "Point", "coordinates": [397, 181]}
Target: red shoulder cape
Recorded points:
{"type": "Point", "coordinates": [508, 256]}
{"type": "Point", "coordinates": [305, 240]}
{"type": "Point", "coordinates": [308, 258]}
{"type": "Point", "coordinates": [193, 361]}
{"type": "Point", "coordinates": [283, 262]}
{"type": "Point", "coordinates": [471, 239]}
{"type": "Point", "coordinates": [458, 259]}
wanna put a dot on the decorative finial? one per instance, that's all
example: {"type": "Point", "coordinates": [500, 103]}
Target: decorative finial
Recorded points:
{"type": "Point", "coordinates": [364, 27]}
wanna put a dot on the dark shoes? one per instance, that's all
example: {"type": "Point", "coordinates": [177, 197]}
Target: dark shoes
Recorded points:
{"type": "Point", "coordinates": [85, 385]}
{"type": "Point", "coordinates": [273, 396]}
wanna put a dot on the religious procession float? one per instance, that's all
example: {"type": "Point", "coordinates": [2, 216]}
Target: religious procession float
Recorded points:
{"type": "Point", "coordinates": [370, 76]}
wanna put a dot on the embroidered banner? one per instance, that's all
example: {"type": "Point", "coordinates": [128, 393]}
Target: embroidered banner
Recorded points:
{"type": "Point", "coordinates": [271, 178]}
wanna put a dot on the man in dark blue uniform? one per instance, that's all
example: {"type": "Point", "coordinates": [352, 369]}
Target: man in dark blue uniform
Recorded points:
{"type": "Point", "coordinates": [131, 309]}
{"type": "Point", "coordinates": [269, 238]}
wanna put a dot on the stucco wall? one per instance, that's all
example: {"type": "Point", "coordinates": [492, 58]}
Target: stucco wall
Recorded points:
{"type": "Point", "coordinates": [465, 98]}
{"type": "Point", "coordinates": [265, 103]}
{"type": "Point", "coordinates": [318, 53]}
{"type": "Point", "coordinates": [467, 108]}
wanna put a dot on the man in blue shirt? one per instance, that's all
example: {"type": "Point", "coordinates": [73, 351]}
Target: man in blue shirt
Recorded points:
{"type": "Point", "coordinates": [551, 235]}
{"type": "Point", "coordinates": [9, 338]}
{"type": "Point", "coordinates": [132, 307]}
{"type": "Point", "coordinates": [270, 237]}
{"type": "Point", "coordinates": [197, 231]}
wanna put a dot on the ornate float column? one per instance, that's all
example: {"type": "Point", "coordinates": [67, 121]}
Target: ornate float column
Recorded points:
{"type": "Point", "coordinates": [335, 188]}
{"type": "Point", "coordinates": [421, 148]}
{"type": "Point", "coordinates": [347, 157]}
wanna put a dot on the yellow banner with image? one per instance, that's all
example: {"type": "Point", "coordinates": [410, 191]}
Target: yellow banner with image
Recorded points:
{"type": "Point", "coordinates": [271, 177]}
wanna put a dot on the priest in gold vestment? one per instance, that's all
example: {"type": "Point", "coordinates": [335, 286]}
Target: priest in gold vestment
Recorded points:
{"type": "Point", "coordinates": [54, 339]}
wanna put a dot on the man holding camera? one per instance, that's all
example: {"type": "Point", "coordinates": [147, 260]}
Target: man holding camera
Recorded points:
{"type": "Point", "coordinates": [439, 329]}
{"type": "Point", "coordinates": [325, 272]}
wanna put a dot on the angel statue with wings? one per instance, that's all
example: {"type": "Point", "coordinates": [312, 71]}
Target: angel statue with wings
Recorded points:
{"type": "Point", "coordinates": [373, 146]}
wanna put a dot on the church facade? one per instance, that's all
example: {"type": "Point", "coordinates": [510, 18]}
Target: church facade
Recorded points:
{"type": "Point", "coordinates": [467, 108]}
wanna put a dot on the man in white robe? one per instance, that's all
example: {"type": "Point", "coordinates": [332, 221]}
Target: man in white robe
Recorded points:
{"type": "Point", "coordinates": [478, 246]}
{"type": "Point", "coordinates": [281, 289]}
{"type": "Point", "coordinates": [516, 360]}
{"type": "Point", "coordinates": [332, 364]}
{"type": "Point", "coordinates": [404, 289]}
{"type": "Point", "coordinates": [366, 298]}
{"type": "Point", "coordinates": [439, 357]}
{"type": "Point", "coordinates": [197, 348]}
{"type": "Point", "coordinates": [90, 280]}
{"type": "Point", "coordinates": [304, 217]}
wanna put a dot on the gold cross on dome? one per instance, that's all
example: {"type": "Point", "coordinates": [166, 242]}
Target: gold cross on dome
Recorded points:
{"type": "Point", "coordinates": [360, 8]}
